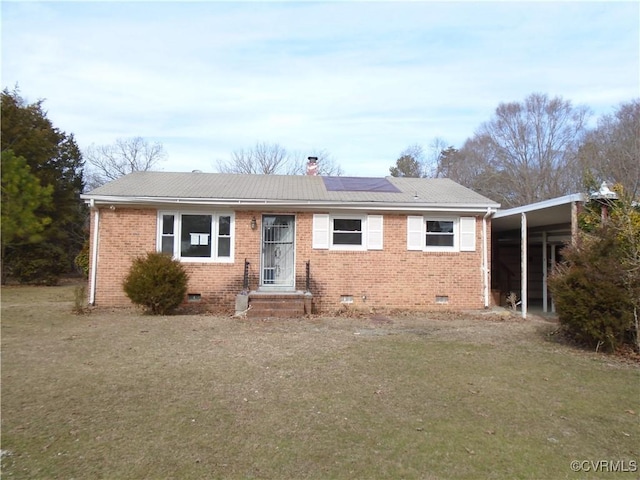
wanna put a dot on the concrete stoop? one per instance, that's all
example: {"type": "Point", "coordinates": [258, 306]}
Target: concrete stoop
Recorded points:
{"type": "Point", "coordinates": [278, 304]}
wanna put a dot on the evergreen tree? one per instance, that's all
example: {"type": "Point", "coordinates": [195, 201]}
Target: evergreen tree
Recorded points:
{"type": "Point", "coordinates": [22, 196]}
{"type": "Point", "coordinates": [55, 159]}
{"type": "Point", "coordinates": [411, 163]}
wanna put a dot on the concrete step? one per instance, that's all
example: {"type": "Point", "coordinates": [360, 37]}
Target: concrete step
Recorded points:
{"type": "Point", "coordinates": [269, 313]}
{"type": "Point", "coordinates": [276, 304]}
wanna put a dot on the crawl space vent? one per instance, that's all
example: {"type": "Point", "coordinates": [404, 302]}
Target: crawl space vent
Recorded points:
{"type": "Point", "coordinates": [442, 299]}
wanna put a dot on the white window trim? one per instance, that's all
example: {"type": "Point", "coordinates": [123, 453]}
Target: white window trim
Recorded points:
{"type": "Point", "coordinates": [417, 234]}
{"type": "Point", "coordinates": [177, 235]}
{"type": "Point", "coordinates": [456, 234]}
{"type": "Point", "coordinates": [363, 231]}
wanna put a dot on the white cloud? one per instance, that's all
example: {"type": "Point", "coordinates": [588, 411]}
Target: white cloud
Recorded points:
{"type": "Point", "coordinates": [362, 80]}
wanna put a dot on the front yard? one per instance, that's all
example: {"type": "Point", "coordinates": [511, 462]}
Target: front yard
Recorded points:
{"type": "Point", "coordinates": [117, 394]}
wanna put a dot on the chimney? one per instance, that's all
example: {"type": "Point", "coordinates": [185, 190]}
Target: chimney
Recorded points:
{"type": "Point", "coordinates": [312, 166]}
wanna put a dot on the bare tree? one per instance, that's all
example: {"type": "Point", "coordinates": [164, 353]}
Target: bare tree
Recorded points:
{"type": "Point", "coordinates": [535, 145]}
{"type": "Point", "coordinates": [108, 162]}
{"type": "Point", "coordinates": [415, 162]}
{"type": "Point", "coordinates": [611, 152]}
{"type": "Point", "coordinates": [527, 152]}
{"type": "Point", "coordinates": [473, 166]}
{"type": "Point", "coordinates": [431, 160]}
{"type": "Point", "coordinates": [264, 158]}
{"type": "Point", "coordinates": [271, 159]}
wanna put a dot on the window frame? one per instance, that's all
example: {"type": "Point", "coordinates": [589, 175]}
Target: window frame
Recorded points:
{"type": "Point", "coordinates": [215, 235]}
{"type": "Point", "coordinates": [455, 234]}
{"type": "Point", "coordinates": [363, 232]}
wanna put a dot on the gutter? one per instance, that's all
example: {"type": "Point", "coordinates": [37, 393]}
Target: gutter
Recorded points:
{"type": "Point", "coordinates": [288, 204]}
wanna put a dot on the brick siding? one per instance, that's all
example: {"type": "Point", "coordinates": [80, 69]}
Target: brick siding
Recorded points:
{"type": "Point", "coordinates": [392, 278]}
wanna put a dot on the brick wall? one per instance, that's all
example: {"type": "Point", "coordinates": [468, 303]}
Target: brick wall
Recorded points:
{"type": "Point", "coordinates": [125, 233]}
{"type": "Point", "coordinates": [390, 278]}
{"type": "Point", "coordinates": [393, 277]}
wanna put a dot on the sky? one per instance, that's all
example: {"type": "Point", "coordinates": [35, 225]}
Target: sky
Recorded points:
{"type": "Point", "coordinates": [362, 80]}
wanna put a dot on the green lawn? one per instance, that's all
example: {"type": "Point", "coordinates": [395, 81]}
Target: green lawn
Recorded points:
{"type": "Point", "coordinates": [120, 395]}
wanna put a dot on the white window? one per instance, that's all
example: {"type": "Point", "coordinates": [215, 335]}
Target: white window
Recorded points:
{"type": "Point", "coordinates": [441, 234]}
{"type": "Point", "coordinates": [347, 232]}
{"type": "Point", "coordinates": [195, 236]}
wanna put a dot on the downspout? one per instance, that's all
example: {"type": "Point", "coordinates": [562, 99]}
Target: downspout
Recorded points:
{"type": "Point", "coordinates": [485, 258]}
{"type": "Point", "coordinates": [94, 254]}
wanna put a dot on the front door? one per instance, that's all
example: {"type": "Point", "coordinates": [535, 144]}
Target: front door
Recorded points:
{"type": "Point", "coordinates": [278, 251]}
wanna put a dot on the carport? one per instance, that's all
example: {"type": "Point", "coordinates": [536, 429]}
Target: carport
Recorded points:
{"type": "Point", "coordinates": [527, 242]}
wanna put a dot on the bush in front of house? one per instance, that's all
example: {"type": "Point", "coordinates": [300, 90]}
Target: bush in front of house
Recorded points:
{"type": "Point", "coordinates": [156, 282]}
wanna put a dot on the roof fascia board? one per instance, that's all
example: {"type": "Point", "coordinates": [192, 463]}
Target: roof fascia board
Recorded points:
{"type": "Point", "coordinates": [301, 205]}
{"type": "Point", "coordinates": [554, 202]}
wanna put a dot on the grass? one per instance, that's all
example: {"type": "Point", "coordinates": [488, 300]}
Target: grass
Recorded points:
{"type": "Point", "coordinates": [117, 394]}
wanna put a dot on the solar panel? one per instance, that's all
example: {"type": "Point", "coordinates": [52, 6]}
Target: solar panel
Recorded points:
{"type": "Point", "coordinates": [359, 184]}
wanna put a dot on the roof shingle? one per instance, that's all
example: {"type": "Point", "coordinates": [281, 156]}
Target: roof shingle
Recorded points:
{"type": "Point", "coordinates": [303, 188]}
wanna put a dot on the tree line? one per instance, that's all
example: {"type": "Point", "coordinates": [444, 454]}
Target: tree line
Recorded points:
{"type": "Point", "coordinates": [43, 219]}
{"type": "Point", "coordinates": [44, 222]}
{"type": "Point", "coordinates": [535, 150]}
{"type": "Point", "coordinates": [529, 151]}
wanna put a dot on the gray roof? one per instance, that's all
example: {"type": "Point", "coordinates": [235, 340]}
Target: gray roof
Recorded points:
{"type": "Point", "coordinates": [304, 189]}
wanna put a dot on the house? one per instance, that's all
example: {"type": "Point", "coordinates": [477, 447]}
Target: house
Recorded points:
{"type": "Point", "coordinates": [403, 243]}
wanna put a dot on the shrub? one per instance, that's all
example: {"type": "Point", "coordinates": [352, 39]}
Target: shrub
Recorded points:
{"type": "Point", "coordinates": [82, 259]}
{"type": "Point", "coordinates": [592, 303]}
{"type": "Point", "coordinates": [156, 282]}
{"type": "Point", "coordinates": [42, 263]}
{"type": "Point", "coordinates": [79, 300]}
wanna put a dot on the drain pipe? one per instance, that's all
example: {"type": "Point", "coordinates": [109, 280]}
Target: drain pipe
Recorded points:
{"type": "Point", "coordinates": [94, 254]}
{"type": "Point", "coordinates": [485, 257]}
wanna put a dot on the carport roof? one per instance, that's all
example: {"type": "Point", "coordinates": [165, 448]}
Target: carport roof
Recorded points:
{"type": "Point", "coordinates": [556, 211]}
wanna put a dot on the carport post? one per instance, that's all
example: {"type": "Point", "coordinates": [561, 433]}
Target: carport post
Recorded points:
{"type": "Point", "coordinates": [545, 272]}
{"type": "Point", "coordinates": [553, 262]}
{"type": "Point", "coordinates": [523, 259]}
{"type": "Point", "coordinates": [574, 222]}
